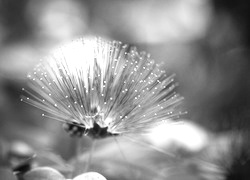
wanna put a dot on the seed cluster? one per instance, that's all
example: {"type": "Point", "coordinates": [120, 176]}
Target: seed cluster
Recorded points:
{"type": "Point", "coordinates": [94, 82]}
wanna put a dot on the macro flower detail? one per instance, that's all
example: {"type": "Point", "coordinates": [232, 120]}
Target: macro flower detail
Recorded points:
{"type": "Point", "coordinates": [105, 87]}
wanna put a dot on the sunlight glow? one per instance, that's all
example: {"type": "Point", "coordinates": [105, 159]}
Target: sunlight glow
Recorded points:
{"type": "Point", "coordinates": [186, 135]}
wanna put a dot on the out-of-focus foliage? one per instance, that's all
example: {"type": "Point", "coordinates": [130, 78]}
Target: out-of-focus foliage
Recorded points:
{"type": "Point", "coordinates": [43, 173]}
{"type": "Point", "coordinates": [90, 176]}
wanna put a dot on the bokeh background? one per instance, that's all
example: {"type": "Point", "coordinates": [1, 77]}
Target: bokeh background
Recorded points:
{"type": "Point", "coordinates": [204, 42]}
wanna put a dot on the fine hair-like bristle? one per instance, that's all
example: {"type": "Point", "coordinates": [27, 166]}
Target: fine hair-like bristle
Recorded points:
{"type": "Point", "coordinates": [93, 81]}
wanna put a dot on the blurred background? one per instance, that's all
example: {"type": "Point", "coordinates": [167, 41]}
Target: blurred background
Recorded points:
{"type": "Point", "coordinates": [204, 42]}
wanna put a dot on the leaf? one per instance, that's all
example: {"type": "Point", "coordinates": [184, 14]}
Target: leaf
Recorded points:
{"type": "Point", "coordinates": [90, 176]}
{"type": "Point", "coordinates": [43, 173]}
{"type": "Point", "coordinates": [51, 159]}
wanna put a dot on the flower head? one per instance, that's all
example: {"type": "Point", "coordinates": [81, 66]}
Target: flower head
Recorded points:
{"type": "Point", "coordinates": [106, 87]}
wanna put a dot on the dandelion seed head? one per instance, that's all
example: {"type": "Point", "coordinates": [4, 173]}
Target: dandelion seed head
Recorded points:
{"type": "Point", "coordinates": [105, 86]}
